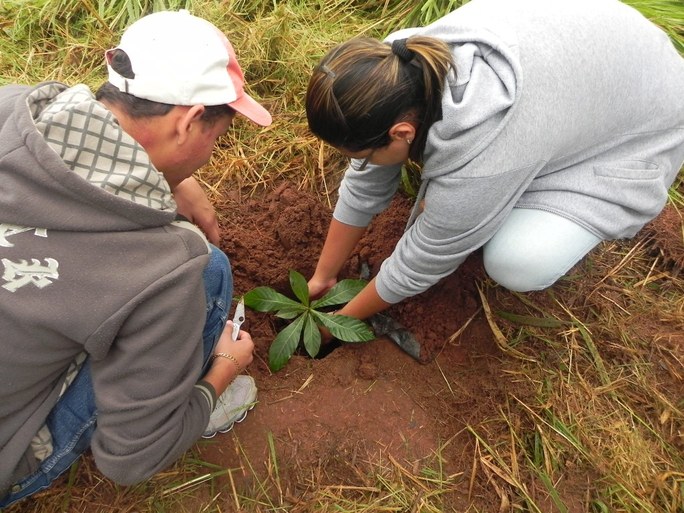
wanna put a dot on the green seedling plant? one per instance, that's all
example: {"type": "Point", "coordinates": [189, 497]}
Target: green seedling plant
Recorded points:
{"type": "Point", "coordinates": [307, 316]}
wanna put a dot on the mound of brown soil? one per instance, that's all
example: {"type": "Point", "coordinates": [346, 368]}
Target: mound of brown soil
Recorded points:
{"type": "Point", "coordinates": [265, 243]}
{"type": "Point", "coordinates": [362, 401]}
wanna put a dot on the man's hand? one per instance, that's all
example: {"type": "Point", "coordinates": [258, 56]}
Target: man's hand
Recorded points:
{"type": "Point", "coordinates": [240, 354]}
{"type": "Point", "coordinates": [193, 204]}
{"type": "Point", "coordinates": [242, 348]}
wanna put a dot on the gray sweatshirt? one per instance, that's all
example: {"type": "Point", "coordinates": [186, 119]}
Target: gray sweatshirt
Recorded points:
{"type": "Point", "coordinates": [570, 106]}
{"type": "Point", "coordinates": [91, 260]}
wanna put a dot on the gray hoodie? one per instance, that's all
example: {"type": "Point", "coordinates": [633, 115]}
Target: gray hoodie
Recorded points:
{"type": "Point", "coordinates": [569, 106]}
{"type": "Point", "coordinates": [91, 260]}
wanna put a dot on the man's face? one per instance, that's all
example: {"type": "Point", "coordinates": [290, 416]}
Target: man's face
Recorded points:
{"type": "Point", "coordinates": [180, 161]}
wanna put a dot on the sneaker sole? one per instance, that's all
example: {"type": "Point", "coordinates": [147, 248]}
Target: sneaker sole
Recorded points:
{"type": "Point", "coordinates": [244, 416]}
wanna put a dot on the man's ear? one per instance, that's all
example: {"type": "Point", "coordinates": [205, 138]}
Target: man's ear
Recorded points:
{"type": "Point", "coordinates": [188, 119]}
{"type": "Point", "coordinates": [403, 131]}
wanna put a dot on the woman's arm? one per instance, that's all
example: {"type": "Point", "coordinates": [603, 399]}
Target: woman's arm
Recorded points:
{"type": "Point", "coordinates": [365, 304]}
{"type": "Point", "coordinates": [340, 242]}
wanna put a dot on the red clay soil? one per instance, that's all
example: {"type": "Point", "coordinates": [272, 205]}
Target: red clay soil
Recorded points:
{"type": "Point", "coordinates": [331, 418]}
{"type": "Point", "coordinates": [362, 402]}
{"type": "Point", "coordinates": [371, 402]}
{"type": "Point", "coordinates": [665, 234]}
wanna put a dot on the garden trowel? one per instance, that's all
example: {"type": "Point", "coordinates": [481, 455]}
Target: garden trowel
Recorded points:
{"type": "Point", "coordinates": [384, 325]}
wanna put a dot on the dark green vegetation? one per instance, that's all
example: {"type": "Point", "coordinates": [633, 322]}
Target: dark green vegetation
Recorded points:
{"type": "Point", "coordinates": [306, 316]}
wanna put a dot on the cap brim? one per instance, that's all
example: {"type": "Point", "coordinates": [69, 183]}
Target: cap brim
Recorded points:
{"type": "Point", "coordinates": [250, 108]}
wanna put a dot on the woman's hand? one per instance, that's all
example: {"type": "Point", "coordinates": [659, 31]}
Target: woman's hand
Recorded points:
{"type": "Point", "coordinates": [319, 286]}
{"type": "Point", "coordinates": [339, 243]}
{"type": "Point", "coordinates": [194, 205]}
{"type": "Point", "coordinates": [326, 336]}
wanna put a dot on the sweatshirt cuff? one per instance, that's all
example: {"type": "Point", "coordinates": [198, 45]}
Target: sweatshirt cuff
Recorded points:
{"type": "Point", "coordinates": [208, 393]}
{"type": "Point", "coordinates": [385, 293]}
{"type": "Point", "coordinates": [348, 215]}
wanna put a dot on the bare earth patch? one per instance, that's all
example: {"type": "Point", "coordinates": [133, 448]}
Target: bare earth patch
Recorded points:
{"type": "Point", "coordinates": [334, 421]}
{"type": "Point", "coordinates": [666, 235]}
{"type": "Point", "coordinates": [362, 403]}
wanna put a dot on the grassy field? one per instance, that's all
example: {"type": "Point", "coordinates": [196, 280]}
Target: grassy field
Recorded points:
{"type": "Point", "coordinates": [602, 367]}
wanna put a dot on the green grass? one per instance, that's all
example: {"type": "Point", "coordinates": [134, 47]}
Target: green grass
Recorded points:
{"type": "Point", "coordinates": [594, 411]}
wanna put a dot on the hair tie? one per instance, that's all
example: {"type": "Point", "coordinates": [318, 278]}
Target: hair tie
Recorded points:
{"type": "Point", "coordinates": [400, 49]}
{"type": "Point", "coordinates": [325, 69]}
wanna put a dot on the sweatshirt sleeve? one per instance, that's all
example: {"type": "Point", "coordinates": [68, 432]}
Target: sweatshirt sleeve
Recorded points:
{"type": "Point", "coordinates": [151, 408]}
{"type": "Point", "coordinates": [363, 194]}
{"type": "Point", "coordinates": [459, 216]}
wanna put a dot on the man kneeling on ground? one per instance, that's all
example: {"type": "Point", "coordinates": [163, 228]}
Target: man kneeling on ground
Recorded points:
{"type": "Point", "coordinates": [113, 304]}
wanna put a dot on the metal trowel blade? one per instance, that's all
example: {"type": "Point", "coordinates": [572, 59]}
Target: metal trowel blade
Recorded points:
{"type": "Point", "coordinates": [384, 325]}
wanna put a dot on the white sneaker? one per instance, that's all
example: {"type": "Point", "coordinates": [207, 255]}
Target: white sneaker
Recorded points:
{"type": "Point", "coordinates": [232, 406]}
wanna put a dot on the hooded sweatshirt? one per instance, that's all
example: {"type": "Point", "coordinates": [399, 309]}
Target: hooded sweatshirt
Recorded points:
{"type": "Point", "coordinates": [570, 106]}
{"type": "Point", "coordinates": [92, 261]}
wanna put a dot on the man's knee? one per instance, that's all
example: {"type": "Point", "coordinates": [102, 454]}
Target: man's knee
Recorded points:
{"type": "Point", "coordinates": [218, 261]}
{"type": "Point", "coordinates": [218, 280]}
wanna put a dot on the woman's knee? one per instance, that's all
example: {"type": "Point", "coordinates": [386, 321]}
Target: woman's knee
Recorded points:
{"type": "Point", "coordinates": [534, 248]}
{"type": "Point", "coordinates": [519, 272]}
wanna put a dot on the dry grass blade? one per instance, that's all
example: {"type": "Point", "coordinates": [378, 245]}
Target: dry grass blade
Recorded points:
{"type": "Point", "coordinates": [500, 338]}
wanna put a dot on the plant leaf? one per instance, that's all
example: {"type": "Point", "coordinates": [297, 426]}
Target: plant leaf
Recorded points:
{"type": "Point", "coordinates": [285, 344]}
{"type": "Point", "coordinates": [311, 335]}
{"type": "Point", "coordinates": [299, 287]}
{"type": "Point", "coordinates": [345, 328]}
{"type": "Point", "coordinates": [342, 292]}
{"type": "Point", "coordinates": [290, 312]}
{"type": "Point", "coordinates": [265, 299]}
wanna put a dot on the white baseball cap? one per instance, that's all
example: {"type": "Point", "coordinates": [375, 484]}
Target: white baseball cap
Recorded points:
{"type": "Point", "coordinates": [180, 59]}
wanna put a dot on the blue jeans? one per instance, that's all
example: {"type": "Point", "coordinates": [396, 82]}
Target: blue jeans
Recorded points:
{"type": "Point", "coordinates": [73, 419]}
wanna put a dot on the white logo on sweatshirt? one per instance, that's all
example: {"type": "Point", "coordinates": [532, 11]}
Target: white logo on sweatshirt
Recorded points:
{"type": "Point", "coordinates": [7, 230]}
{"type": "Point", "coordinates": [22, 272]}
{"type": "Point", "coordinates": [18, 274]}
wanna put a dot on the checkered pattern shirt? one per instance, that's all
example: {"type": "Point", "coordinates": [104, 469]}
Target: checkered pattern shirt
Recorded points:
{"type": "Point", "coordinates": [91, 143]}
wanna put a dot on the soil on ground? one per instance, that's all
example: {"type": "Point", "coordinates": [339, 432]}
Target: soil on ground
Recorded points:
{"type": "Point", "coordinates": [363, 402]}
{"type": "Point", "coordinates": [330, 420]}
{"type": "Point", "coordinates": [665, 235]}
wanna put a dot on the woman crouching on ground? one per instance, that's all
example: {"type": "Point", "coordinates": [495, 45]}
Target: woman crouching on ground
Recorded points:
{"type": "Point", "coordinates": [542, 128]}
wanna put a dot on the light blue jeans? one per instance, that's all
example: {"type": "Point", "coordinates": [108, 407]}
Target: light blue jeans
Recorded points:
{"type": "Point", "coordinates": [73, 419]}
{"type": "Point", "coordinates": [533, 248]}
